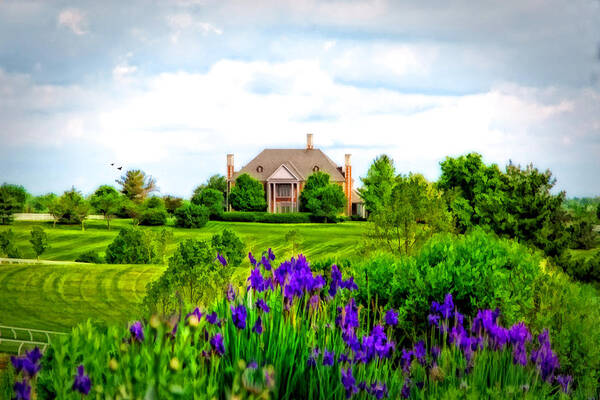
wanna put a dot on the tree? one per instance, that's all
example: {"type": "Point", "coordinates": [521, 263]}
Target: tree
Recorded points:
{"type": "Point", "coordinates": [172, 203]}
{"type": "Point", "coordinates": [107, 201]}
{"type": "Point", "coordinates": [55, 209]}
{"type": "Point", "coordinates": [191, 216]}
{"type": "Point", "coordinates": [154, 212]}
{"type": "Point", "coordinates": [211, 199]}
{"type": "Point", "coordinates": [18, 193]}
{"type": "Point", "coordinates": [71, 208]}
{"type": "Point", "coordinates": [216, 182]}
{"type": "Point", "coordinates": [414, 212]}
{"type": "Point", "coordinates": [39, 240]}
{"type": "Point", "coordinates": [132, 245]}
{"type": "Point", "coordinates": [8, 206]}
{"type": "Point", "coordinates": [136, 185]}
{"type": "Point", "coordinates": [248, 194]}
{"type": "Point", "coordinates": [163, 239]}
{"type": "Point", "coordinates": [42, 203]}
{"type": "Point", "coordinates": [133, 211]}
{"type": "Point", "coordinates": [378, 184]}
{"type": "Point", "coordinates": [8, 244]}
{"type": "Point", "coordinates": [229, 245]}
{"type": "Point", "coordinates": [598, 212]}
{"type": "Point", "coordinates": [321, 198]}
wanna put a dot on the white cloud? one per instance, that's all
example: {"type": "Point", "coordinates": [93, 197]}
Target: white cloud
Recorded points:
{"type": "Point", "coordinates": [180, 23]}
{"type": "Point", "coordinates": [123, 72]}
{"type": "Point", "coordinates": [73, 19]}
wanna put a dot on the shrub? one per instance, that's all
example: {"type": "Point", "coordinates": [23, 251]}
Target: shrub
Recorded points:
{"type": "Point", "coordinates": [154, 217]}
{"type": "Point", "coordinates": [191, 216]}
{"type": "Point", "coordinates": [480, 270]}
{"type": "Point", "coordinates": [264, 217]}
{"type": "Point", "coordinates": [8, 244]}
{"type": "Point", "coordinates": [211, 199]}
{"type": "Point", "coordinates": [230, 245]}
{"type": "Point", "coordinates": [581, 268]}
{"type": "Point", "coordinates": [132, 245]}
{"type": "Point", "coordinates": [248, 194]}
{"type": "Point", "coordinates": [90, 256]}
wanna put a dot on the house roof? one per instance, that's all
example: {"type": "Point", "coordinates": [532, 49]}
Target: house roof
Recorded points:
{"type": "Point", "coordinates": [299, 161]}
{"type": "Point", "coordinates": [356, 198]}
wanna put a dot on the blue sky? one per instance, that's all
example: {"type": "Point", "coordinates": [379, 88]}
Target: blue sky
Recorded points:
{"type": "Point", "coordinates": [171, 87]}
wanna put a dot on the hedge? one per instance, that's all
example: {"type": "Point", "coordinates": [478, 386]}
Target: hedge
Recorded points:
{"type": "Point", "coordinates": [286, 218]}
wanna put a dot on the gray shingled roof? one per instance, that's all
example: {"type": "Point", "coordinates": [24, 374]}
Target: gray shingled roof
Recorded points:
{"type": "Point", "coordinates": [300, 161]}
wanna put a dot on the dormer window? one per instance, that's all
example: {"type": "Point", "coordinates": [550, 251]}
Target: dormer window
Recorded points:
{"type": "Point", "coordinates": [315, 168]}
{"type": "Point", "coordinates": [259, 168]}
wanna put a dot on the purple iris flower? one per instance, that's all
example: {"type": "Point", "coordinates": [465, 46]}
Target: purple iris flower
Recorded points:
{"type": "Point", "coordinates": [238, 315]}
{"type": "Point", "coordinates": [213, 319]}
{"type": "Point", "coordinates": [448, 307]}
{"type": "Point", "coordinates": [564, 381]}
{"type": "Point", "coordinates": [362, 386]}
{"type": "Point", "coordinates": [343, 358]}
{"type": "Point", "coordinates": [435, 353]}
{"type": "Point", "coordinates": [545, 359]}
{"type": "Point", "coordinates": [378, 390]}
{"type": "Point", "coordinates": [406, 359]}
{"type": "Point", "coordinates": [269, 284]}
{"type": "Point", "coordinates": [22, 390]}
{"type": "Point", "coordinates": [433, 319]}
{"type": "Point", "coordinates": [328, 357]}
{"type": "Point", "coordinates": [519, 333]}
{"type": "Point", "coordinates": [271, 255]}
{"type": "Point", "coordinates": [519, 354]}
{"type": "Point", "coordinates": [405, 392]}
{"type": "Point", "coordinates": [348, 316]}
{"type": "Point", "coordinates": [137, 332]}
{"type": "Point", "coordinates": [420, 352]}
{"type": "Point", "coordinates": [216, 343]}
{"type": "Point", "coordinates": [391, 317]}
{"type": "Point", "coordinates": [253, 365]}
{"type": "Point", "coordinates": [263, 306]}
{"type": "Point", "coordinates": [336, 280]}
{"type": "Point", "coordinates": [313, 302]}
{"type": "Point", "coordinates": [34, 355]}
{"type": "Point", "coordinates": [258, 328]}
{"type": "Point", "coordinates": [196, 312]}
{"type": "Point", "coordinates": [230, 293]}
{"type": "Point", "coordinates": [256, 280]}
{"type": "Point", "coordinates": [266, 263]}
{"type": "Point", "coordinates": [82, 382]}
{"type": "Point", "coordinates": [312, 358]}
{"type": "Point", "coordinates": [221, 259]}
{"type": "Point", "coordinates": [349, 284]}
{"type": "Point", "coordinates": [252, 259]}
{"type": "Point", "coordinates": [349, 382]}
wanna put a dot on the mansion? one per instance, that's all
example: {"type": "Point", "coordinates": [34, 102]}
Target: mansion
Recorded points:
{"type": "Point", "coordinates": [283, 173]}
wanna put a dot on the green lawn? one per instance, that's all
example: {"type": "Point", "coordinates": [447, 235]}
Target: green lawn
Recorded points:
{"type": "Point", "coordinates": [58, 296]}
{"type": "Point", "coordinates": [318, 240]}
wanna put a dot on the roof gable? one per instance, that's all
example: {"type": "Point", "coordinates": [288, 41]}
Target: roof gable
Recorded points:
{"type": "Point", "coordinates": [283, 173]}
{"type": "Point", "coordinates": [300, 162]}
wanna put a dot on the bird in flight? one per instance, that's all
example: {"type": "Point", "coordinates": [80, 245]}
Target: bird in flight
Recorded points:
{"type": "Point", "coordinates": [120, 168]}
{"type": "Point", "coordinates": [112, 164]}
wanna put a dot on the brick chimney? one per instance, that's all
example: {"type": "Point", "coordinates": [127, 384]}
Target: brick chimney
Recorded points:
{"type": "Point", "coordinates": [309, 141]}
{"type": "Point", "coordinates": [348, 184]}
{"type": "Point", "coordinates": [229, 166]}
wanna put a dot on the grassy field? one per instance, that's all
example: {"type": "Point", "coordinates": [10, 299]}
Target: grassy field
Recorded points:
{"type": "Point", "coordinates": [58, 296]}
{"type": "Point", "coordinates": [317, 240]}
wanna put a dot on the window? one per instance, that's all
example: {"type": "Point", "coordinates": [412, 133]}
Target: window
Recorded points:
{"type": "Point", "coordinates": [259, 168]}
{"type": "Point", "coordinates": [315, 168]}
{"type": "Point", "coordinates": [284, 190]}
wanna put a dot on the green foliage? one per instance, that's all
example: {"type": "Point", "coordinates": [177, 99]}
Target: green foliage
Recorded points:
{"type": "Point", "coordinates": [191, 216]}
{"type": "Point", "coordinates": [230, 245]}
{"type": "Point", "coordinates": [598, 211]}
{"type": "Point", "coordinates": [70, 208]}
{"type": "Point", "coordinates": [377, 185]}
{"type": "Point", "coordinates": [42, 203]}
{"type": "Point", "coordinates": [480, 270]}
{"type": "Point", "coordinates": [7, 378]}
{"type": "Point", "coordinates": [211, 199]}
{"type": "Point", "coordinates": [154, 212]}
{"type": "Point", "coordinates": [582, 234]}
{"type": "Point", "coordinates": [248, 194]}
{"type": "Point", "coordinates": [412, 213]}
{"type": "Point", "coordinates": [516, 204]}
{"type": "Point", "coordinates": [18, 193]}
{"type": "Point", "coordinates": [132, 245]}
{"type": "Point", "coordinates": [172, 203]}
{"type": "Point", "coordinates": [264, 217]}
{"type": "Point", "coordinates": [136, 186]}
{"type": "Point", "coordinates": [8, 244]}
{"type": "Point", "coordinates": [581, 269]}
{"type": "Point", "coordinates": [571, 313]}
{"type": "Point", "coordinates": [216, 182]}
{"type": "Point", "coordinates": [90, 256]}
{"type": "Point", "coordinates": [322, 198]}
{"type": "Point", "coordinates": [8, 206]}
{"type": "Point", "coordinates": [39, 241]}
{"type": "Point", "coordinates": [107, 201]}
{"type": "Point", "coordinates": [163, 239]}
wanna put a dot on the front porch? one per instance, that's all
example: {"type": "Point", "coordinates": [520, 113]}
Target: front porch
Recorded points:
{"type": "Point", "coordinates": [282, 189]}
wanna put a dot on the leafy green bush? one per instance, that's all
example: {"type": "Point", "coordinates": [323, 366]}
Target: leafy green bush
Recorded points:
{"type": "Point", "coordinates": [154, 217]}
{"type": "Point", "coordinates": [581, 268]}
{"type": "Point", "coordinates": [480, 270]}
{"type": "Point", "coordinates": [132, 245]}
{"type": "Point", "coordinates": [211, 199]}
{"type": "Point", "coordinates": [191, 216]}
{"type": "Point", "coordinates": [239, 216]}
{"type": "Point", "coordinates": [90, 256]}
{"type": "Point", "coordinates": [229, 245]}
{"type": "Point", "coordinates": [248, 194]}
{"type": "Point", "coordinates": [264, 217]}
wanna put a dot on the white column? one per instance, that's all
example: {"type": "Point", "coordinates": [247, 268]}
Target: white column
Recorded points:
{"type": "Point", "coordinates": [268, 197]}
{"type": "Point", "coordinates": [275, 198]}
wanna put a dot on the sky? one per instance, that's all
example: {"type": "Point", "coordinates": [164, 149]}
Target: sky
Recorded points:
{"type": "Point", "coordinates": [172, 86]}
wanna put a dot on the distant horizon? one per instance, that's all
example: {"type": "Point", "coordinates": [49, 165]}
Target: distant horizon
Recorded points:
{"type": "Point", "coordinates": [171, 89]}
